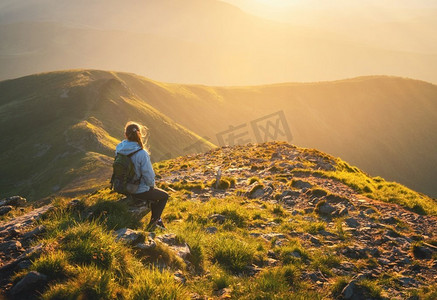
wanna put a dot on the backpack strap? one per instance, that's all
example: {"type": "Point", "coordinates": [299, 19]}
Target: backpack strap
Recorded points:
{"type": "Point", "coordinates": [130, 154]}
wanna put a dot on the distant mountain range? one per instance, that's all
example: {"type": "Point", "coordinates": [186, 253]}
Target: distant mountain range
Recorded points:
{"type": "Point", "coordinates": [59, 129]}
{"type": "Point", "coordinates": [203, 41]}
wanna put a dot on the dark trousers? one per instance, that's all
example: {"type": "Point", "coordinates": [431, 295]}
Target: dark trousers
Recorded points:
{"type": "Point", "coordinates": [157, 198]}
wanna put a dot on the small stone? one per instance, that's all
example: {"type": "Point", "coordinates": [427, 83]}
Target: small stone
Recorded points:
{"type": "Point", "coordinates": [211, 230]}
{"type": "Point", "coordinates": [180, 277]}
{"type": "Point", "coordinates": [314, 240]}
{"type": "Point", "coordinates": [352, 222]}
{"type": "Point", "coordinates": [217, 218]}
{"type": "Point", "coordinates": [343, 211]}
{"type": "Point", "coordinates": [272, 235]}
{"type": "Point", "coordinates": [25, 264]}
{"type": "Point", "coordinates": [31, 281]}
{"type": "Point", "coordinates": [326, 209]}
{"type": "Point", "coordinates": [271, 262]}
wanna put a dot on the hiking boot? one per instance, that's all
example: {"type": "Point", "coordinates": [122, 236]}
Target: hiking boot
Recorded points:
{"type": "Point", "coordinates": [160, 224]}
{"type": "Point", "coordinates": [155, 224]}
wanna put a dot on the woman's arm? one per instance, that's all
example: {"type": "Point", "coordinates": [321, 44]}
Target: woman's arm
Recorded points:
{"type": "Point", "coordinates": [147, 169]}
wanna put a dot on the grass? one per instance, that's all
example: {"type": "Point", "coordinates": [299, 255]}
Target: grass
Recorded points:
{"type": "Point", "coordinates": [80, 240]}
{"type": "Point", "coordinates": [379, 189]}
{"type": "Point", "coordinates": [232, 253]}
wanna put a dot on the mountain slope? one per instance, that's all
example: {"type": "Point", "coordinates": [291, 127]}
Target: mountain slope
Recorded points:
{"type": "Point", "coordinates": [283, 222]}
{"type": "Point", "coordinates": [61, 130]}
{"type": "Point", "coordinates": [384, 125]}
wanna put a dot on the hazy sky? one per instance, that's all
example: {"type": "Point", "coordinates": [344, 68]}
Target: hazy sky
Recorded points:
{"type": "Point", "coordinates": [213, 42]}
{"type": "Point", "coordinates": [305, 10]}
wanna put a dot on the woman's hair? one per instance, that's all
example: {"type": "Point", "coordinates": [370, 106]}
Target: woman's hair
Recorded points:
{"type": "Point", "coordinates": [137, 133]}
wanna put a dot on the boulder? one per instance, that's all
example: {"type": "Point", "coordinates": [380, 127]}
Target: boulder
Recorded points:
{"type": "Point", "coordinates": [33, 280]}
{"type": "Point", "coordinates": [10, 246]}
{"type": "Point", "coordinates": [352, 222]}
{"type": "Point", "coordinates": [129, 236]}
{"type": "Point", "coordinates": [5, 209]}
{"type": "Point", "coordinates": [14, 201]}
{"type": "Point", "coordinates": [325, 209]}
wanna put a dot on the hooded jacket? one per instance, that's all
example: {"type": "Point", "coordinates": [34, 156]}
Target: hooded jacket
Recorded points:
{"type": "Point", "coordinates": [142, 164]}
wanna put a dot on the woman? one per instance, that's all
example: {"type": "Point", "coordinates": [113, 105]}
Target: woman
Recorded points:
{"type": "Point", "coordinates": [133, 143]}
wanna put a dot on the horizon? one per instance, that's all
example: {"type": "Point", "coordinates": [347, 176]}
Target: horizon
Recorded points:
{"type": "Point", "coordinates": [222, 43]}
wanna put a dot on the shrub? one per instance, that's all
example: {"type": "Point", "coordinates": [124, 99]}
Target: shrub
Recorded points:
{"type": "Point", "coordinates": [53, 264]}
{"type": "Point", "coordinates": [232, 253]}
{"type": "Point", "coordinates": [88, 243]}
{"type": "Point", "coordinates": [90, 283]}
{"type": "Point", "coordinates": [114, 214]}
{"type": "Point", "coordinates": [153, 284]}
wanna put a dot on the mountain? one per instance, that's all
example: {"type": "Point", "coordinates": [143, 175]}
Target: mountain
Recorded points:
{"type": "Point", "coordinates": [60, 131]}
{"type": "Point", "coordinates": [199, 41]}
{"type": "Point", "coordinates": [384, 125]}
{"type": "Point", "coordinates": [280, 222]}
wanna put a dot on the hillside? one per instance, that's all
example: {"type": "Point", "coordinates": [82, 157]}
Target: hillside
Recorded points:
{"type": "Point", "coordinates": [283, 222]}
{"type": "Point", "coordinates": [60, 131]}
{"type": "Point", "coordinates": [384, 125]}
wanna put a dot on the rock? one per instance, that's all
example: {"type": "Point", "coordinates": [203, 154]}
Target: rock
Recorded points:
{"type": "Point", "coordinates": [389, 220]}
{"type": "Point", "coordinates": [349, 290]}
{"type": "Point", "coordinates": [290, 193]}
{"type": "Point", "coordinates": [37, 231]}
{"type": "Point", "coordinates": [211, 230]}
{"type": "Point", "coordinates": [300, 184]}
{"type": "Point", "coordinates": [73, 203]}
{"type": "Point", "coordinates": [314, 240]}
{"type": "Point", "coordinates": [14, 201]}
{"type": "Point", "coordinates": [10, 246]}
{"type": "Point", "coordinates": [180, 277]}
{"type": "Point", "coordinates": [33, 280]}
{"type": "Point", "coordinates": [276, 156]}
{"type": "Point", "coordinates": [272, 235]}
{"type": "Point", "coordinates": [217, 218]}
{"type": "Point", "coordinates": [5, 209]}
{"type": "Point", "coordinates": [169, 239]}
{"type": "Point", "coordinates": [129, 236]}
{"type": "Point", "coordinates": [352, 222]}
{"type": "Point", "coordinates": [325, 209]}
{"type": "Point", "coordinates": [25, 264]}
{"type": "Point", "coordinates": [343, 211]}
{"type": "Point", "coordinates": [271, 262]}
{"type": "Point", "coordinates": [182, 251]}
{"type": "Point", "coordinates": [407, 281]}
{"type": "Point", "coordinates": [147, 245]}
{"type": "Point", "coordinates": [422, 252]}
{"type": "Point", "coordinates": [289, 200]}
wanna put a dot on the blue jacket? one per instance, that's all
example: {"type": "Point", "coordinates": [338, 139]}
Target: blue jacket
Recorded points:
{"type": "Point", "coordinates": [142, 163]}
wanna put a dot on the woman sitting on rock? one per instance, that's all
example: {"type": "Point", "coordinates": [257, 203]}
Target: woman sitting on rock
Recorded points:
{"type": "Point", "coordinates": [146, 191]}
